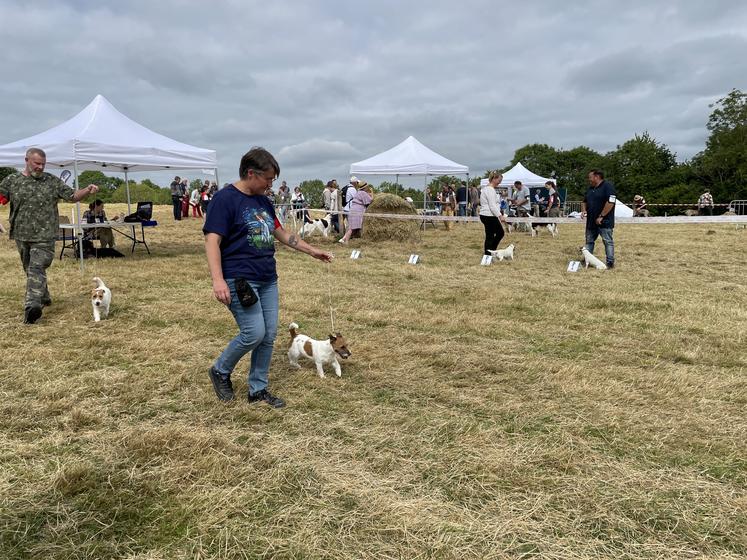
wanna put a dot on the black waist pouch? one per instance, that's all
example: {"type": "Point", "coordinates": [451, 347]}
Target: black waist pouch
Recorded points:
{"type": "Point", "coordinates": [244, 291]}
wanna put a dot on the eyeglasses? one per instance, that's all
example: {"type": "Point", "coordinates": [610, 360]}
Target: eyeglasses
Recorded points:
{"type": "Point", "coordinates": [261, 174]}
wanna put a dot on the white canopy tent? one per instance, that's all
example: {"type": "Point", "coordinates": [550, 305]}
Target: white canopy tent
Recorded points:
{"type": "Point", "coordinates": [520, 173]}
{"type": "Point", "coordinates": [410, 157]}
{"type": "Point", "coordinates": [102, 138]}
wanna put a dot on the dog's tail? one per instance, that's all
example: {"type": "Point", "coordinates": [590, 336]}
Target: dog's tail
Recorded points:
{"type": "Point", "coordinates": [292, 330]}
{"type": "Point", "coordinates": [98, 281]}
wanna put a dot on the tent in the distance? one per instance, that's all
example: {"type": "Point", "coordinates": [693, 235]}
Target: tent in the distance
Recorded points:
{"type": "Point", "coordinates": [520, 173]}
{"type": "Point", "coordinates": [409, 157]}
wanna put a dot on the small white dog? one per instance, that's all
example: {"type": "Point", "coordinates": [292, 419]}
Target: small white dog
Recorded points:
{"type": "Point", "coordinates": [590, 259]}
{"type": "Point", "coordinates": [323, 352]}
{"type": "Point", "coordinates": [101, 298]}
{"type": "Point", "coordinates": [322, 225]}
{"type": "Point", "coordinates": [507, 253]}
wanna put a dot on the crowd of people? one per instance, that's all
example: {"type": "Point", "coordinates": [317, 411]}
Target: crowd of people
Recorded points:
{"type": "Point", "coordinates": [183, 199]}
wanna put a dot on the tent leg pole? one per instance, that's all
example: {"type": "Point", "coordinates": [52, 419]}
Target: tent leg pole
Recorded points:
{"type": "Point", "coordinates": [127, 188]}
{"type": "Point", "coordinates": [79, 230]}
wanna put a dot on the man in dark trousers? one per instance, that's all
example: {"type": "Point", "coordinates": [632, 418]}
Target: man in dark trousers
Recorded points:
{"type": "Point", "coordinates": [34, 220]}
{"type": "Point", "coordinates": [176, 197]}
{"type": "Point", "coordinates": [599, 209]}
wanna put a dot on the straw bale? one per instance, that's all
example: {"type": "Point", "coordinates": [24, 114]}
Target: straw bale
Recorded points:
{"type": "Point", "coordinates": [382, 229]}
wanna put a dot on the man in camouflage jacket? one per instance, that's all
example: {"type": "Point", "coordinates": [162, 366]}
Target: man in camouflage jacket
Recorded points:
{"type": "Point", "coordinates": [34, 220]}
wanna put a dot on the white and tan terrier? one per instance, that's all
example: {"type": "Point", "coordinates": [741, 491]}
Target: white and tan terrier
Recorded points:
{"type": "Point", "coordinates": [322, 352]}
{"type": "Point", "coordinates": [101, 298]}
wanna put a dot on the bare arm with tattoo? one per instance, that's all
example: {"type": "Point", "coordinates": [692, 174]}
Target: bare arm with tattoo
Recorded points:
{"type": "Point", "coordinates": [294, 242]}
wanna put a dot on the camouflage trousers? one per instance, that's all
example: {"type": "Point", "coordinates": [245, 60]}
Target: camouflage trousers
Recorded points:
{"type": "Point", "coordinates": [36, 258]}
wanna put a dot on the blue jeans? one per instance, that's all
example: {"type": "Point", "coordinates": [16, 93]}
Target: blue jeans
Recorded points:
{"type": "Point", "coordinates": [462, 209]}
{"type": "Point", "coordinates": [258, 326]}
{"type": "Point", "coordinates": [609, 244]}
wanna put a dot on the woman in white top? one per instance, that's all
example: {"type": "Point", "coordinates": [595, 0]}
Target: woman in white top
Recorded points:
{"type": "Point", "coordinates": [490, 212]}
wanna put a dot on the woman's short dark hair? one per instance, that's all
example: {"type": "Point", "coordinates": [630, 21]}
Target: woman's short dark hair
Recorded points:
{"type": "Point", "coordinates": [258, 159]}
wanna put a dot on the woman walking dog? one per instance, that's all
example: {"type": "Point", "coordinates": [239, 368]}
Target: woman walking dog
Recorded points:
{"type": "Point", "coordinates": [240, 232]}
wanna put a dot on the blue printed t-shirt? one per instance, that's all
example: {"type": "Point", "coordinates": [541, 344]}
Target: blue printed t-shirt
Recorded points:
{"type": "Point", "coordinates": [246, 224]}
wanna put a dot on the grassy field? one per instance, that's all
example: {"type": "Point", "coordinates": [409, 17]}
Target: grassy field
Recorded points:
{"type": "Point", "coordinates": [510, 411]}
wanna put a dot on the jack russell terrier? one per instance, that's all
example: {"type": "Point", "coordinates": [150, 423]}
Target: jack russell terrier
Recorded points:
{"type": "Point", "coordinates": [309, 226]}
{"type": "Point", "coordinates": [507, 253]}
{"type": "Point", "coordinates": [101, 298]}
{"type": "Point", "coordinates": [590, 259]}
{"type": "Point", "coordinates": [323, 352]}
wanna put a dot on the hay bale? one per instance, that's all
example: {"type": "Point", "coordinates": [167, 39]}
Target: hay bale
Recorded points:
{"type": "Point", "coordinates": [382, 229]}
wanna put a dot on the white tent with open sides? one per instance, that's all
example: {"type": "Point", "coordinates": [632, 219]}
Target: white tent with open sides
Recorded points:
{"type": "Point", "coordinates": [520, 173]}
{"type": "Point", "coordinates": [102, 138]}
{"type": "Point", "coordinates": [410, 157]}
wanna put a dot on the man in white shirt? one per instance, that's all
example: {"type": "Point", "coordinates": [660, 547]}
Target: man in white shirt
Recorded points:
{"type": "Point", "coordinates": [330, 203]}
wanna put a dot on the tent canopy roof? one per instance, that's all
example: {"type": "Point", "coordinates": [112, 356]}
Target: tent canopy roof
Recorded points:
{"type": "Point", "coordinates": [408, 158]}
{"type": "Point", "coordinates": [100, 137]}
{"type": "Point", "coordinates": [520, 173]}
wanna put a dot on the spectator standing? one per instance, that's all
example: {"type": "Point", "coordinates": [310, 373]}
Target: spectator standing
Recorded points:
{"type": "Point", "coordinates": [521, 199]}
{"type": "Point", "coordinates": [599, 208]}
{"type": "Point", "coordinates": [284, 198]}
{"type": "Point", "coordinates": [490, 213]}
{"type": "Point", "coordinates": [333, 207]}
{"type": "Point", "coordinates": [194, 202]}
{"type": "Point", "coordinates": [348, 194]}
{"type": "Point", "coordinates": [461, 199]}
{"type": "Point", "coordinates": [705, 204]}
{"type": "Point", "coordinates": [34, 221]}
{"type": "Point", "coordinates": [474, 200]}
{"type": "Point", "coordinates": [176, 197]}
{"type": "Point", "coordinates": [240, 233]}
{"type": "Point", "coordinates": [204, 200]}
{"type": "Point", "coordinates": [184, 189]}
{"type": "Point", "coordinates": [449, 205]}
{"type": "Point", "coordinates": [299, 202]}
{"type": "Point", "coordinates": [363, 197]}
{"type": "Point", "coordinates": [553, 200]}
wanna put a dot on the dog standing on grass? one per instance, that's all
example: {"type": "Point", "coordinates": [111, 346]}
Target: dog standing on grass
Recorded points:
{"type": "Point", "coordinates": [322, 352]}
{"type": "Point", "coordinates": [507, 253]}
{"type": "Point", "coordinates": [101, 298]}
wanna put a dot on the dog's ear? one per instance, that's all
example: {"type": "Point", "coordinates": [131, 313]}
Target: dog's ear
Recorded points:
{"type": "Point", "coordinates": [332, 337]}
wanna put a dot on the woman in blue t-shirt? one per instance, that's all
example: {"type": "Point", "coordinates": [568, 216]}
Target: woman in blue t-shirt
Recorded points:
{"type": "Point", "coordinates": [240, 232]}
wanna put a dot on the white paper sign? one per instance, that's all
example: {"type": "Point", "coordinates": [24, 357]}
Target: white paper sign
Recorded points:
{"type": "Point", "coordinates": [355, 254]}
{"type": "Point", "coordinates": [414, 259]}
{"type": "Point", "coordinates": [486, 260]}
{"type": "Point", "coordinates": [573, 266]}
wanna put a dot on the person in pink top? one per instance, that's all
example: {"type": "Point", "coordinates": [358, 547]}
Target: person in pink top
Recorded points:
{"type": "Point", "coordinates": [358, 206]}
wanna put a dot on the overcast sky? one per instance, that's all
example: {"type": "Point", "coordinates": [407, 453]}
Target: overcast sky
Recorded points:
{"type": "Point", "coordinates": [322, 84]}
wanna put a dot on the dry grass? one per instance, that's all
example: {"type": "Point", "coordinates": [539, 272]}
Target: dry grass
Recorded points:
{"type": "Point", "coordinates": [511, 411]}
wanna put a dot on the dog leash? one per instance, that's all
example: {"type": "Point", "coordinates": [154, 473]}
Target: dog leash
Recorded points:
{"type": "Point", "coordinates": [329, 286]}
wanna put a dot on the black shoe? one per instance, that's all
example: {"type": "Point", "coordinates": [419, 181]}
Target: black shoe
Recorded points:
{"type": "Point", "coordinates": [32, 315]}
{"type": "Point", "coordinates": [610, 265]}
{"type": "Point", "coordinates": [222, 385]}
{"type": "Point", "coordinates": [264, 395]}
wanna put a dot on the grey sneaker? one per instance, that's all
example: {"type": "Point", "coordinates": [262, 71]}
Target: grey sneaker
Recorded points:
{"type": "Point", "coordinates": [222, 385]}
{"type": "Point", "coordinates": [266, 396]}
